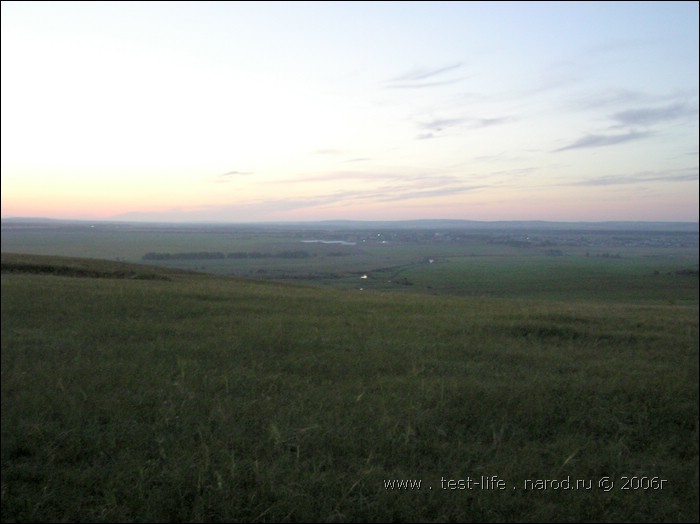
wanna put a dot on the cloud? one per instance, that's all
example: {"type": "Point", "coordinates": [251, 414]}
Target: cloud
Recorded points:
{"type": "Point", "coordinates": [652, 115]}
{"type": "Point", "coordinates": [608, 98]}
{"type": "Point", "coordinates": [674, 175]}
{"type": "Point", "coordinates": [422, 74]}
{"type": "Point", "coordinates": [334, 176]}
{"type": "Point", "coordinates": [392, 188]}
{"type": "Point", "coordinates": [428, 193]}
{"type": "Point", "coordinates": [425, 84]}
{"type": "Point", "coordinates": [431, 128]}
{"type": "Point", "coordinates": [395, 190]}
{"type": "Point", "coordinates": [648, 118]}
{"type": "Point", "coordinates": [416, 79]}
{"type": "Point", "coordinates": [441, 123]}
{"type": "Point", "coordinates": [226, 177]}
{"type": "Point", "coordinates": [488, 122]}
{"type": "Point", "coordinates": [627, 98]}
{"type": "Point", "coordinates": [234, 173]}
{"type": "Point", "coordinates": [604, 140]}
{"type": "Point", "coordinates": [515, 173]}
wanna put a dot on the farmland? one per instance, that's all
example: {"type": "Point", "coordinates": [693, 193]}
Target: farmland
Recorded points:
{"type": "Point", "coordinates": [538, 260]}
{"type": "Point", "coordinates": [139, 390]}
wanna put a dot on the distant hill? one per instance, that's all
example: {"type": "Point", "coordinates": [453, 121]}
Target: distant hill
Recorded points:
{"type": "Point", "coordinates": [476, 225]}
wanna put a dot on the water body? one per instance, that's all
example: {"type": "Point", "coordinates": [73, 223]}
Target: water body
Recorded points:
{"type": "Point", "coordinates": [342, 242]}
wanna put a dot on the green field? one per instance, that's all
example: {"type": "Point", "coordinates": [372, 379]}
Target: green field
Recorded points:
{"type": "Point", "coordinates": [137, 393]}
{"type": "Point", "coordinates": [384, 374]}
{"type": "Point", "coordinates": [571, 264]}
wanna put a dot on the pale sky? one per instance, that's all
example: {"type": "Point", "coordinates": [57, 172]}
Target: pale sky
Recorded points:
{"type": "Point", "coordinates": [234, 111]}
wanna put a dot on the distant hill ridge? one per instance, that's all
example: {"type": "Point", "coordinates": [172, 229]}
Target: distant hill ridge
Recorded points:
{"type": "Point", "coordinates": [374, 224]}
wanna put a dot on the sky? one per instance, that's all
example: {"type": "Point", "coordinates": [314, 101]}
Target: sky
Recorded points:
{"type": "Point", "coordinates": [303, 111]}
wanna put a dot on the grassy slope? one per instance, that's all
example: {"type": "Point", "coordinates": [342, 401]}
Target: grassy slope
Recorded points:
{"type": "Point", "coordinates": [647, 270]}
{"type": "Point", "coordinates": [634, 279]}
{"type": "Point", "coordinates": [194, 397]}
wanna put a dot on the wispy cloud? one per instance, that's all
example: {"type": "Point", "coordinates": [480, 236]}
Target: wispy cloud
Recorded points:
{"type": "Point", "coordinates": [337, 176]}
{"type": "Point", "coordinates": [434, 128]}
{"type": "Point", "coordinates": [648, 116]}
{"type": "Point", "coordinates": [514, 173]}
{"type": "Point", "coordinates": [439, 124]}
{"type": "Point", "coordinates": [638, 122]}
{"type": "Point", "coordinates": [604, 140]}
{"type": "Point", "coordinates": [421, 85]}
{"type": "Point", "coordinates": [232, 174]}
{"type": "Point", "coordinates": [392, 193]}
{"type": "Point", "coordinates": [629, 98]}
{"type": "Point", "coordinates": [420, 187]}
{"type": "Point", "coordinates": [429, 193]}
{"type": "Point", "coordinates": [423, 73]}
{"type": "Point", "coordinates": [607, 98]}
{"type": "Point", "coordinates": [375, 188]}
{"type": "Point", "coordinates": [384, 187]}
{"type": "Point", "coordinates": [235, 173]}
{"type": "Point", "coordinates": [488, 122]}
{"type": "Point", "coordinates": [674, 175]}
{"type": "Point", "coordinates": [416, 79]}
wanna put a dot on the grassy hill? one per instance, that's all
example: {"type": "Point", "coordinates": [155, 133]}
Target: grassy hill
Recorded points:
{"type": "Point", "coordinates": [137, 393]}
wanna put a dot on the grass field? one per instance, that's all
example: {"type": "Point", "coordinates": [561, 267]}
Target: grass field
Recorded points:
{"type": "Point", "coordinates": [651, 267]}
{"type": "Point", "coordinates": [138, 393]}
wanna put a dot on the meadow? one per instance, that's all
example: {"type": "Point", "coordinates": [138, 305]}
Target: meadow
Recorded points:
{"type": "Point", "coordinates": [134, 392]}
{"type": "Point", "coordinates": [567, 262]}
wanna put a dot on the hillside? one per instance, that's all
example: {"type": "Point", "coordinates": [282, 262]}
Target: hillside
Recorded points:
{"type": "Point", "coordinates": [651, 263]}
{"type": "Point", "coordinates": [140, 393]}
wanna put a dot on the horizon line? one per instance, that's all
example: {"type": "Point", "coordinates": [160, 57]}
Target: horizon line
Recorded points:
{"type": "Point", "coordinates": [340, 220]}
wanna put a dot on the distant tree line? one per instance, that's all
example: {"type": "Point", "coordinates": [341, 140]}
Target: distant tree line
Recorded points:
{"type": "Point", "coordinates": [217, 255]}
{"type": "Point", "coordinates": [604, 255]}
{"type": "Point", "coordinates": [199, 255]}
{"type": "Point", "coordinates": [295, 253]}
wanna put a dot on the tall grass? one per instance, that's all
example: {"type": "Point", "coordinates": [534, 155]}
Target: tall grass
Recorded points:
{"type": "Point", "coordinates": [201, 398]}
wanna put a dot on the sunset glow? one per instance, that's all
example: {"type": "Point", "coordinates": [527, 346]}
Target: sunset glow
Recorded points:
{"type": "Point", "coordinates": [369, 111]}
